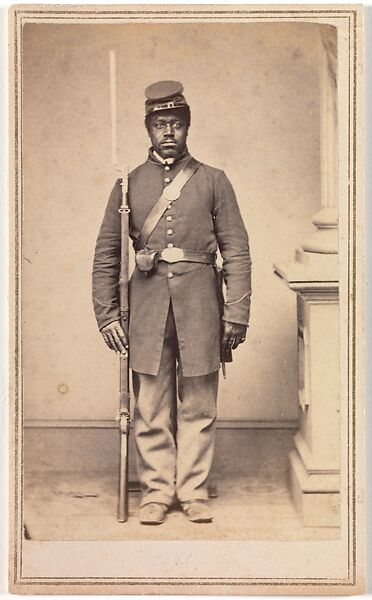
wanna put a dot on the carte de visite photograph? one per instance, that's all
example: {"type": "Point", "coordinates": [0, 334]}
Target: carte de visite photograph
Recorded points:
{"type": "Point", "coordinates": [186, 262]}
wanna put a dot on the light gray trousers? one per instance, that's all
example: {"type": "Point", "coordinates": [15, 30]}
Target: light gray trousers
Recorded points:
{"type": "Point", "coordinates": [175, 444]}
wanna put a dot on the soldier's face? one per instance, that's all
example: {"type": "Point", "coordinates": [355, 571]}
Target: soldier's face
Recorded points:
{"type": "Point", "coordinates": [168, 133]}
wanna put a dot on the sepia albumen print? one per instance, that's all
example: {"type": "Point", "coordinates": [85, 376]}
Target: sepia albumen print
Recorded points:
{"type": "Point", "coordinates": [251, 488]}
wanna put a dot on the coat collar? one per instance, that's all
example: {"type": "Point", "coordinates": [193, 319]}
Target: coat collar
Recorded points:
{"type": "Point", "coordinates": [161, 162]}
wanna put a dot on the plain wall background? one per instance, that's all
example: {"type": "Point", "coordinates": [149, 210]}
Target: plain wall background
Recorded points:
{"type": "Point", "coordinates": [253, 91]}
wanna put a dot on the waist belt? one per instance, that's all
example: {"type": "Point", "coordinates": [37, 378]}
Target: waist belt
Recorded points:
{"type": "Point", "coordinates": [174, 255]}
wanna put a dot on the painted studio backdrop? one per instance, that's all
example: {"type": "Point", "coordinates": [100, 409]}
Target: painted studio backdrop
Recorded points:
{"type": "Point", "coordinates": [254, 96]}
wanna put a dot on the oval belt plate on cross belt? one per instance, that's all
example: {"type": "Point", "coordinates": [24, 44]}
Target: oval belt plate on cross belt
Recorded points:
{"type": "Point", "coordinates": [171, 194]}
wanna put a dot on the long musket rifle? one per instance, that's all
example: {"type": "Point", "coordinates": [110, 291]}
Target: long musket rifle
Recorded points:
{"type": "Point", "coordinates": [124, 393]}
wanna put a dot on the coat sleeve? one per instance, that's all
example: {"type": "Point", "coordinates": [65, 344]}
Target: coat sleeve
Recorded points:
{"type": "Point", "coordinates": [106, 264]}
{"type": "Point", "coordinates": [232, 239]}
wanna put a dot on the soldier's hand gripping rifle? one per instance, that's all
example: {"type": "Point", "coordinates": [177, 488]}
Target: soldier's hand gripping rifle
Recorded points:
{"type": "Point", "coordinates": [124, 397]}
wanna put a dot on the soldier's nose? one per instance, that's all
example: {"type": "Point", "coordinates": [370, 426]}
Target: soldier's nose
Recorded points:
{"type": "Point", "coordinates": [168, 129]}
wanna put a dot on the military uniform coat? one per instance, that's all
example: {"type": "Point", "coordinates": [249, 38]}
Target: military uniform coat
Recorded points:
{"type": "Point", "coordinates": [205, 218]}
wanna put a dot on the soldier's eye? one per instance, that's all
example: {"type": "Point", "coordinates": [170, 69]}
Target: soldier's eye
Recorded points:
{"type": "Point", "coordinates": [161, 125]}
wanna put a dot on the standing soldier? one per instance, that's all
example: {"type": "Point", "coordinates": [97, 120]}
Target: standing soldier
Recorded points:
{"type": "Point", "coordinates": [182, 212]}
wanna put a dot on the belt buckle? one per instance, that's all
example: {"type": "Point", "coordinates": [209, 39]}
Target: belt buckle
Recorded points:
{"type": "Point", "coordinates": [172, 255]}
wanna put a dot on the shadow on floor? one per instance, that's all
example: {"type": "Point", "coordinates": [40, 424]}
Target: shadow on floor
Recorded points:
{"type": "Point", "coordinates": [253, 501]}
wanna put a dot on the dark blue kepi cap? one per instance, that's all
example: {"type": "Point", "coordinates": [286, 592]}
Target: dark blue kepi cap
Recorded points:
{"type": "Point", "coordinates": [164, 95]}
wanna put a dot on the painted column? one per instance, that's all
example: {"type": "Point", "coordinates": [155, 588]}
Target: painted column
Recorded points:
{"type": "Point", "coordinates": [325, 239]}
{"type": "Point", "coordinates": [315, 460]}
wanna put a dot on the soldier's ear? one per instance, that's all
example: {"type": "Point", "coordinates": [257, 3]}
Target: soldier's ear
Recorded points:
{"type": "Point", "coordinates": [148, 132]}
{"type": "Point", "coordinates": [148, 121]}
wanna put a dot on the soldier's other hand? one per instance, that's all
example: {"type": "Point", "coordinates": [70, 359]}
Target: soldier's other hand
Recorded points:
{"type": "Point", "coordinates": [115, 338]}
{"type": "Point", "coordinates": [233, 335]}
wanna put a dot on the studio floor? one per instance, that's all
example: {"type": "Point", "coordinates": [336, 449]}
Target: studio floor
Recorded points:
{"type": "Point", "coordinates": [67, 500]}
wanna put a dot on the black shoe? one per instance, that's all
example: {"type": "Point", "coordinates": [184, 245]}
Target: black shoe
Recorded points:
{"type": "Point", "coordinates": [197, 511]}
{"type": "Point", "coordinates": [153, 513]}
